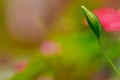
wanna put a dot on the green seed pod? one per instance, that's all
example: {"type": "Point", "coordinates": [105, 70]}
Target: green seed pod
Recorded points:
{"type": "Point", "coordinates": [93, 21]}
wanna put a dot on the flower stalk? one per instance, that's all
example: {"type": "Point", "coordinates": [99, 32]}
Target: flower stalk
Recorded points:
{"type": "Point", "coordinates": [95, 26]}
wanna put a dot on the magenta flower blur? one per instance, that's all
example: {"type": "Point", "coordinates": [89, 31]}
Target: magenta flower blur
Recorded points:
{"type": "Point", "coordinates": [109, 18]}
{"type": "Point", "coordinates": [20, 66]}
{"type": "Point", "coordinates": [49, 48]}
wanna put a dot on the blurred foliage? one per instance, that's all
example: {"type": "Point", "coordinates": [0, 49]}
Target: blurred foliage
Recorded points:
{"type": "Point", "coordinates": [81, 56]}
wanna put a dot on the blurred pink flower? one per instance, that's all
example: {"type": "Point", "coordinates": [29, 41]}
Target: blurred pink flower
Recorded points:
{"type": "Point", "coordinates": [49, 48]}
{"type": "Point", "coordinates": [20, 66]}
{"type": "Point", "coordinates": [109, 18]}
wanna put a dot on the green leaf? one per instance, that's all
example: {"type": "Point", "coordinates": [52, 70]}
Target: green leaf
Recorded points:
{"type": "Point", "coordinates": [93, 21]}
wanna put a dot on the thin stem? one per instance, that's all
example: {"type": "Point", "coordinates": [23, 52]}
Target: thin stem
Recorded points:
{"type": "Point", "coordinates": [108, 58]}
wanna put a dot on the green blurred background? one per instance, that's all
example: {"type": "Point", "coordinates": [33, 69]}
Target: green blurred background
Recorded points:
{"type": "Point", "coordinates": [75, 53]}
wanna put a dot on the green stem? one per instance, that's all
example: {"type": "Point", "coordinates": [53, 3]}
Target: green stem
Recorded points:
{"type": "Point", "coordinates": [108, 58]}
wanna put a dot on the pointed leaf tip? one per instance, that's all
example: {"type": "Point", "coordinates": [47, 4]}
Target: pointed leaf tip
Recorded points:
{"type": "Point", "coordinates": [93, 21]}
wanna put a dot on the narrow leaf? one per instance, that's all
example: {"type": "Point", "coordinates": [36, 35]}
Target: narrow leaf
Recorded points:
{"type": "Point", "coordinates": [93, 21]}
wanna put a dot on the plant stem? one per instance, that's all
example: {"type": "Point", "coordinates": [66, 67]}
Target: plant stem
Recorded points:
{"type": "Point", "coordinates": [108, 58]}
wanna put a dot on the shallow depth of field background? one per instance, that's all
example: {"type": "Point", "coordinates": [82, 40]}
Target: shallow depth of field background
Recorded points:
{"type": "Point", "coordinates": [47, 40]}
